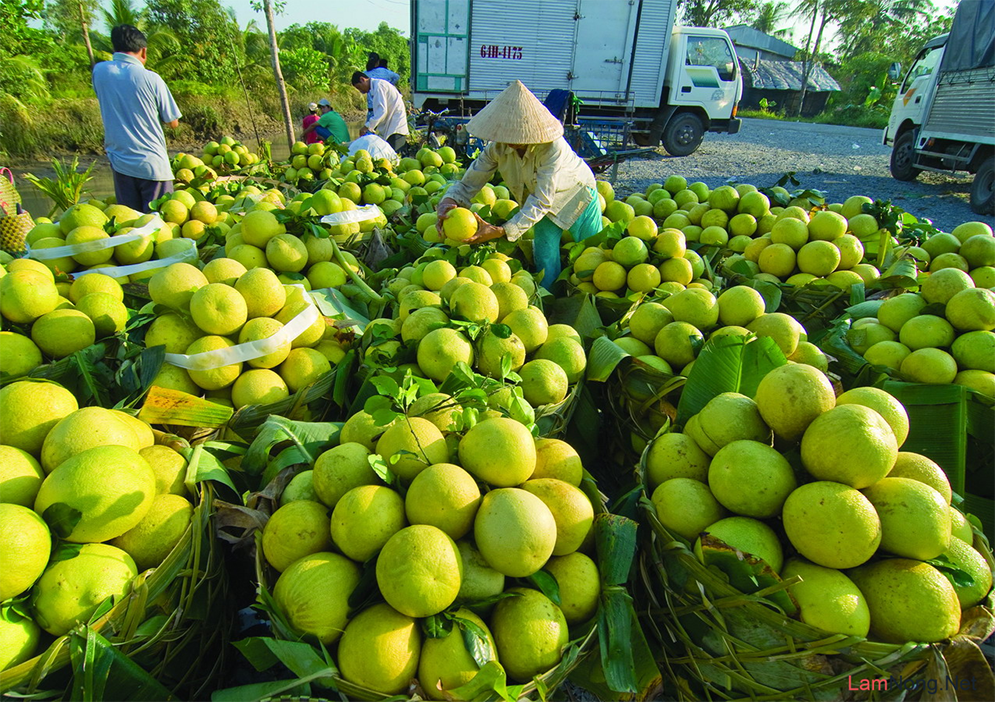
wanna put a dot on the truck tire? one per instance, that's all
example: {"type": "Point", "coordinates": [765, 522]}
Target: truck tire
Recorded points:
{"type": "Point", "coordinates": [683, 134]}
{"type": "Point", "coordinates": [983, 189]}
{"type": "Point", "coordinates": [903, 157]}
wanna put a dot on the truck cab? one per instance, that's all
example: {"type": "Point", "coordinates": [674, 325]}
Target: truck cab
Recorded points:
{"type": "Point", "coordinates": [909, 109]}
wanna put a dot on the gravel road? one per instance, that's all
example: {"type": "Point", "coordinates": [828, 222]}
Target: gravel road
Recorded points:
{"type": "Point", "coordinates": [843, 161]}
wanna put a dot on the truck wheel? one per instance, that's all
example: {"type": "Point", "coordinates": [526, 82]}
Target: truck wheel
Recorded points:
{"type": "Point", "coordinates": [683, 135]}
{"type": "Point", "coordinates": [983, 189]}
{"type": "Point", "coordinates": [903, 156]}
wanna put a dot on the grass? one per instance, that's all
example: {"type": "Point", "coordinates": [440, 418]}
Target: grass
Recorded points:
{"type": "Point", "coordinates": [849, 116]}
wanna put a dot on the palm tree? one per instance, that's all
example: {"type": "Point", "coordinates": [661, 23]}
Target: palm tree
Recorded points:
{"type": "Point", "coordinates": [870, 24]}
{"type": "Point", "coordinates": [122, 12]}
{"type": "Point", "coordinates": [281, 86]}
{"type": "Point", "coordinates": [769, 15]}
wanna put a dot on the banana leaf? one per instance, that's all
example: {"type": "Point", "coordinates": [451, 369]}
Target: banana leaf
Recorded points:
{"type": "Point", "coordinates": [309, 440]}
{"type": "Point", "coordinates": [727, 364]}
{"type": "Point", "coordinates": [167, 406]}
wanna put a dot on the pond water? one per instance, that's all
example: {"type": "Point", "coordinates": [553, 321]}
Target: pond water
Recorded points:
{"type": "Point", "coordinates": [102, 183]}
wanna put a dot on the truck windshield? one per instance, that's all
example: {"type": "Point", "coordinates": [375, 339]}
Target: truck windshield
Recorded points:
{"type": "Point", "coordinates": [924, 64]}
{"type": "Point", "coordinates": [712, 51]}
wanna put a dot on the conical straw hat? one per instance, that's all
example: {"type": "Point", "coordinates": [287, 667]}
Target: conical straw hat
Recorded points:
{"type": "Point", "coordinates": [515, 117]}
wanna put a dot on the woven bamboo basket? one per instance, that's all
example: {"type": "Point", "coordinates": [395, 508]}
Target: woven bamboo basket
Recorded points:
{"type": "Point", "coordinates": [173, 623]}
{"type": "Point", "coordinates": [718, 643]}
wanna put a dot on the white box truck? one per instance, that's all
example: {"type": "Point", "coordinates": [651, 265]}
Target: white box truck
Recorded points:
{"type": "Point", "coordinates": [624, 59]}
{"type": "Point", "coordinates": [943, 118]}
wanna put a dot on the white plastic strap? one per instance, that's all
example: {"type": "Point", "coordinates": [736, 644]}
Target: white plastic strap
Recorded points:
{"type": "Point", "coordinates": [188, 255]}
{"type": "Point", "coordinates": [239, 353]}
{"type": "Point", "coordinates": [98, 244]}
{"type": "Point", "coordinates": [360, 214]}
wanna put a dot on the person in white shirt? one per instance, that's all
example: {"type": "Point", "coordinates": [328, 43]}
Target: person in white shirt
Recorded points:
{"type": "Point", "coordinates": [390, 118]}
{"type": "Point", "coordinates": [553, 184]}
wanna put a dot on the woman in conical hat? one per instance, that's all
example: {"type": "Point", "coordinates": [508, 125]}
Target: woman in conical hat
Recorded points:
{"type": "Point", "coordinates": [554, 186]}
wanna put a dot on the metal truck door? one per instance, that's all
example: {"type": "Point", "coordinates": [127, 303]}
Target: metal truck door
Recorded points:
{"type": "Point", "coordinates": [441, 35]}
{"type": "Point", "coordinates": [707, 73]}
{"type": "Point", "coordinates": [603, 52]}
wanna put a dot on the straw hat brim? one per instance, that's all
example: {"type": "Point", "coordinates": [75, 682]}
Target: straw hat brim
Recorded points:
{"type": "Point", "coordinates": [515, 117]}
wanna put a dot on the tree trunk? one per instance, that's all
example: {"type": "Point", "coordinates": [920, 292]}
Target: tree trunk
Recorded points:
{"type": "Point", "coordinates": [807, 69]}
{"type": "Point", "coordinates": [278, 74]}
{"type": "Point", "coordinates": [86, 35]}
{"type": "Point", "coordinates": [806, 58]}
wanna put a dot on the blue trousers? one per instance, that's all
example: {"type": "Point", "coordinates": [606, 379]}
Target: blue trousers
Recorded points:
{"type": "Point", "coordinates": [546, 243]}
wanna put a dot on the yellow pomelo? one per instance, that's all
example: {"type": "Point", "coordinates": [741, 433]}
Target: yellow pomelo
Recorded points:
{"type": "Point", "coordinates": [300, 487]}
{"type": "Point", "coordinates": [571, 510]}
{"type": "Point", "coordinates": [29, 410]}
{"type": "Point", "coordinates": [19, 638]}
{"type": "Point", "coordinates": [965, 558]}
{"type": "Point", "coordinates": [109, 316]}
{"type": "Point", "coordinates": [419, 571]}
{"type": "Point", "coordinates": [86, 284]}
{"type": "Point", "coordinates": [491, 350]}
{"type": "Point", "coordinates": [262, 291]}
{"type": "Point", "coordinates": [286, 253]}
{"type": "Point", "coordinates": [915, 519]}
{"type": "Point", "coordinates": [224, 270]}
{"type": "Point", "coordinates": [543, 382]}
{"type": "Point", "coordinates": [438, 408]}
{"type": "Point", "coordinates": [379, 650]}
{"type": "Point", "coordinates": [884, 404]}
{"type": "Point", "coordinates": [749, 536]}
{"type": "Point", "coordinates": [480, 581]}
{"type": "Point", "coordinates": [259, 386]}
{"type": "Point", "coordinates": [566, 353]}
{"type": "Point", "coordinates": [340, 469]}
{"type": "Point", "coordinates": [678, 343]}
{"type": "Point", "coordinates": [529, 325]}
{"type": "Point", "coordinates": [361, 428]}
{"type": "Point", "coordinates": [69, 591]}
{"type": "Point", "coordinates": [921, 468]}
{"type": "Point", "coordinates": [959, 526]}
{"type": "Point", "coordinates": [498, 270]}
{"type": "Point", "coordinates": [63, 332]}
{"type": "Point", "coordinates": [530, 632]}
{"type": "Point", "coordinates": [675, 455]}
{"type": "Point", "coordinates": [82, 430]}
{"type": "Point", "coordinates": [295, 530]}
{"type": "Point", "coordinates": [727, 417]}
{"type": "Point", "coordinates": [444, 496]}
{"type": "Point", "coordinates": [294, 306]}
{"type": "Point", "coordinates": [215, 378]}
{"type": "Point", "coordinates": [260, 328]}
{"type": "Point", "coordinates": [20, 476]}
{"type": "Point", "coordinates": [751, 479]}
{"type": "Point", "coordinates": [515, 531]}
{"type": "Point", "coordinates": [19, 355]}
{"type": "Point", "coordinates": [259, 226]}
{"type": "Point", "coordinates": [173, 331]}
{"type": "Point", "coordinates": [110, 486]}
{"type": "Point", "coordinates": [579, 583]}
{"type": "Point", "coordinates": [908, 601]}
{"type": "Point", "coordinates": [929, 366]}
{"type": "Point", "coordinates": [85, 234]}
{"type": "Point", "coordinates": [791, 397]}
{"type": "Point", "coordinates": [218, 309]}
{"type": "Point", "coordinates": [510, 297]}
{"type": "Point", "coordinates": [175, 285]}
{"type": "Point", "coordinates": [475, 302]}
{"type": "Point", "coordinates": [850, 444]}
{"type": "Point", "coordinates": [313, 593]}
{"type": "Point", "coordinates": [499, 451]}
{"type": "Point", "coordinates": [460, 224]}
{"type": "Point", "coordinates": [153, 538]}
{"type": "Point", "coordinates": [686, 506]}
{"type": "Point", "coordinates": [445, 663]}
{"type": "Point", "coordinates": [828, 600]}
{"type": "Point", "coordinates": [25, 545]}
{"type": "Point", "coordinates": [303, 367]}
{"type": "Point", "coordinates": [364, 519]}
{"type": "Point", "coordinates": [175, 378]}
{"type": "Point", "coordinates": [647, 321]}
{"type": "Point", "coordinates": [738, 306]}
{"type": "Point", "coordinates": [782, 328]}
{"type": "Point", "coordinates": [557, 459]}
{"type": "Point", "coordinates": [411, 445]}
{"type": "Point", "coordinates": [832, 524]}
{"type": "Point", "coordinates": [810, 355]}
{"type": "Point", "coordinates": [169, 467]}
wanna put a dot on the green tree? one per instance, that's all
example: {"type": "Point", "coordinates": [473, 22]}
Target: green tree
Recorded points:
{"type": "Point", "coordinates": [714, 13]}
{"type": "Point", "coordinates": [14, 29]}
{"type": "Point", "coordinates": [72, 20]}
{"type": "Point", "coordinates": [880, 25]}
{"type": "Point", "coordinates": [205, 31]}
{"type": "Point", "coordinates": [304, 68]}
{"type": "Point", "coordinates": [768, 16]}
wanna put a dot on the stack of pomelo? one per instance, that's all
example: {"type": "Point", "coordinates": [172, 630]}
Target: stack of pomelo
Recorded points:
{"type": "Point", "coordinates": [456, 536]}
{"type": "Point", "coordinates": [92, 478]}
{"type": "Point", "coordinates": [862, 525]}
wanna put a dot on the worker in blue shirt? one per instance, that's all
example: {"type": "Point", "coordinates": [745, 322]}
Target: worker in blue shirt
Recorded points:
{"type": "Point", "coordinates": [134, 104]}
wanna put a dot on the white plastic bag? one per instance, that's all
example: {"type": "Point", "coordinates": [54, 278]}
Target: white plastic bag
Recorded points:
{"type": "Point", "coordinates": [360, 214]}
{"type": "Point", "coordinates": [377, 148]}
{"type": "Point", "coordinates": [239, 353]}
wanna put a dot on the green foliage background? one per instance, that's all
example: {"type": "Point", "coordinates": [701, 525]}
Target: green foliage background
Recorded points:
{"type": "Point", "coordinates": [47, 102]}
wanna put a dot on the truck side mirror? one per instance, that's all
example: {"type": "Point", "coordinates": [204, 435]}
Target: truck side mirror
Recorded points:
{"type": "Point", "coordinates": [895, 71]}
